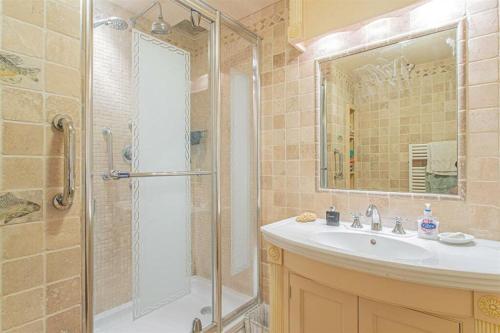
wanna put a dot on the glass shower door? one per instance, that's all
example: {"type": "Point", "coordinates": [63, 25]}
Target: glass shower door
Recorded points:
{"type": "Point", "coordinates": [152, 115]}
{"type": "Point", "coordinates": [238, 167]}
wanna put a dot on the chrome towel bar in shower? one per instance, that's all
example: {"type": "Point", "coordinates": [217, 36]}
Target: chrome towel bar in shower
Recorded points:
{"type": "Point", "coordinates": [116, 174]}
{"type": "Point", "coordinates": [64, 123]}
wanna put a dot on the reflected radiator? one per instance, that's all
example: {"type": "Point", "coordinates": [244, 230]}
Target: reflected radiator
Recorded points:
{"type": "Point", "coordinates": [418, 155]}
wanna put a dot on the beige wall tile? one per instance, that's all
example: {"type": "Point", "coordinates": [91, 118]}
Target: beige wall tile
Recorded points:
{"type": "Point", "coordinates": [75, 4]}
{"type": "Point", "coordinates": [486, 169]}
{"type": "Point", "coordinates": [475, 6]}
{"type": "Point", "coordinates": [63, 18]}
{"type": "Point", "coordinates": [31, 11]}
{"type": "Point", "coordinates": [34, 327]}
{"type": "Point", "coordinates": [62, 80]}
{"type": "Point", "coordinates": [21, 105]}
{"type": "Point", "coordinates": [62, 233]}
{"type": "Point", "coordinates": [485, 120]}
{"type": "Point", "coordinates": [20, 173]}
{"type": "Point", "coordinates": [22, 38]}
{"type": "Point", "coordinates": [483, 144]}
{"type": "Point", "coordinates": [22, 274]}
{"type": "Point", "coordinates": [56, 214]}
{"type": "Point", "coordinates": [485, 47]}
{"type": "Point", "coordinates": [483, 193]}
{"type": "Point", "coordinates": [63, 105]}
{"type": "Point", "coordinates": [483, 96]}
{"type": "Point", "coordinates": [62, 295]}
{"type": "Point", "coordinates": [63, 50]}
{"type": "Point", "coordinates": [63, 264]}
{"type": "Point", "coordinates": [22, 139]}
{"type": "Point", "coordinates": [22, 240]}
{"type": "Point", "coordinates": [68, 322]}
{"type": "Point", "coordinates": [485, 71]}
{"type": "Point", "coordinates": [22, 308]}
{"type": "Point", "coordinates": [483, 23]}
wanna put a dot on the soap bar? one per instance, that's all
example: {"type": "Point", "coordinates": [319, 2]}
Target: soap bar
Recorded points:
{"type": "Point", "coordinates": [306, 217]}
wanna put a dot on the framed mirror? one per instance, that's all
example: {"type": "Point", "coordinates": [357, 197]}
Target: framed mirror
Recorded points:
{"type": "Point", "coordinates": [388, 116]}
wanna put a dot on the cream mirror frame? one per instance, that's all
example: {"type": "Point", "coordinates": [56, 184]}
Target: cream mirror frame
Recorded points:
{"type": "Point", "coordinates": [332, 162]}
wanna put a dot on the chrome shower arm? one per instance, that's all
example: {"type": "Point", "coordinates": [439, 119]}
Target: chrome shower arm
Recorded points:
{"type": "Point", "coordinates": [134, 19]}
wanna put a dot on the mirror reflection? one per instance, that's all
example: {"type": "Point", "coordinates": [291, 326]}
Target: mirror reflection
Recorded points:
{"type": "Point", "coordinates": [388, 117]}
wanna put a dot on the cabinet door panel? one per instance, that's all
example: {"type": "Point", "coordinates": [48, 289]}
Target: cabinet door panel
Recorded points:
{"type": "Point", "coordinates": [383, 318]}
{"type": "Point", "coordinates": [315, 308]}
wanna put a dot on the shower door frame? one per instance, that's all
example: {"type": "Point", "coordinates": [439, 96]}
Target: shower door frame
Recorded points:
{"type": "Point", "coordinates": [216, 18]}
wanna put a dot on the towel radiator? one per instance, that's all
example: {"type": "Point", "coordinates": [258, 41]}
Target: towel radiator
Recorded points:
{"type": "Point", "coordinates": [419, 153]}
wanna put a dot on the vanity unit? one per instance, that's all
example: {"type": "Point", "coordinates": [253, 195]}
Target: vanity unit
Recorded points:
{"type": "Point", "coordinates": [345, 280]}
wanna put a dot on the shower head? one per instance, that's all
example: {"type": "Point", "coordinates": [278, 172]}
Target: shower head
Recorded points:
{"type": "Point", "coordinates": [159, 26]}
{"type": "Point", "coordinates": [114, 22]}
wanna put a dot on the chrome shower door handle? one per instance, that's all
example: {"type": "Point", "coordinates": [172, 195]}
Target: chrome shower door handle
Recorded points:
{"type": "Point", "coordinates": [64, 124]}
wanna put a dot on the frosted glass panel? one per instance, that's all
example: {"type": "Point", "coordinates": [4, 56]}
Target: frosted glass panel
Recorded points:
{"type": "Point", "coordinates": [161, 205]}
{"type": "Point", "coordinates": [241, 205]}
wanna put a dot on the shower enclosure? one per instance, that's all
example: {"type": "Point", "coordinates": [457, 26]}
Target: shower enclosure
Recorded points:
{"type": "Point", "coordinates": [171, 167]}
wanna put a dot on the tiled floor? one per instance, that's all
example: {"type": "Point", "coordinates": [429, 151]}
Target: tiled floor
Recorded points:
{"type": "Point", "coordinates": [176, 317]}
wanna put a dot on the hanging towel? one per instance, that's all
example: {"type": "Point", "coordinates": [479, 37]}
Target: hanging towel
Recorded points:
{"type": "Point", "coordinates": [442, 158]}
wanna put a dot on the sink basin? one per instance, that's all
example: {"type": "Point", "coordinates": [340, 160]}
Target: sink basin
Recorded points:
{"type": "Point", "coordinates": [372, 245]}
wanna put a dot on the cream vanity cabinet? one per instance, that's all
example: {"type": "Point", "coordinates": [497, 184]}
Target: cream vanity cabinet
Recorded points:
{"type": "Point", "coordinates": [314, 308]}
{"type": "Point", "coordinates": [308, 296]}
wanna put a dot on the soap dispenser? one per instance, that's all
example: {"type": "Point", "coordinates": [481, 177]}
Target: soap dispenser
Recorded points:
{"type": "Point", "coordinates": [428, 225]}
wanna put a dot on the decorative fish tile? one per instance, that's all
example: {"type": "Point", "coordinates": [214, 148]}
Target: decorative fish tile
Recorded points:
{"type": "Point", "coordinates": [20, 71]}
{"type": "Point", "coordinates": [15, 209]}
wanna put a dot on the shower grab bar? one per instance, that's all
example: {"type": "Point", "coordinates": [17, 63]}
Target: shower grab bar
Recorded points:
{"type": "Point", "coordinates": [108, 137]}
{"type": "Point", "coordinates": [64, 123]}
{"type": "Point", "coordinates": [117, 174]}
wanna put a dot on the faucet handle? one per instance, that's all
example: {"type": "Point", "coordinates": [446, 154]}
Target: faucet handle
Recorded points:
{"type": "Point", "coordinates": [356, 223]}
{"type": "Point", "coordinates": [398, 227]}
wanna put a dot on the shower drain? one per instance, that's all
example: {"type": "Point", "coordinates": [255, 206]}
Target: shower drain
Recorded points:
{"type": "Point", "coordinates": [206, 310]}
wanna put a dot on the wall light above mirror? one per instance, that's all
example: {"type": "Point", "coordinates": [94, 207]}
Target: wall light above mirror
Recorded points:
{"type": "Point", "coordinates": [388, 116]}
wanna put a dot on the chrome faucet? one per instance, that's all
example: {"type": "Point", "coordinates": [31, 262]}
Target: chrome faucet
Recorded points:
{"type": "Point", "coordinates": [372, 211]}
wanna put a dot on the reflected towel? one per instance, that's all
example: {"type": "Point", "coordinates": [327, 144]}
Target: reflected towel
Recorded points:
{"type": "Point", "coordinates": [441, 184]}
{"type": "Point", "coordinates": [442, 158]}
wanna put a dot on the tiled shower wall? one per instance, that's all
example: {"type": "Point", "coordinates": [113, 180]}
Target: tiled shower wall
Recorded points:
{"type": "Point", "coordinates": [289, 129]}
{"type": "Point", "coordinates": [40, 247]}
